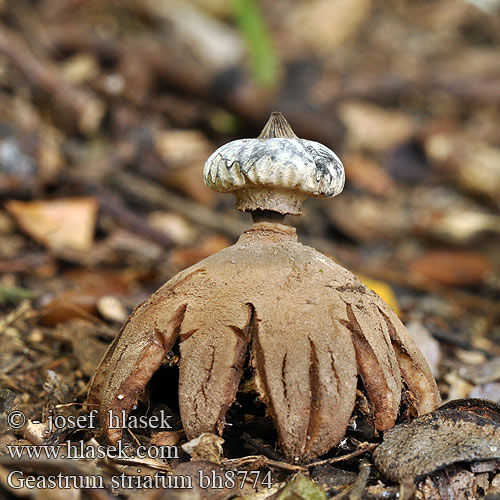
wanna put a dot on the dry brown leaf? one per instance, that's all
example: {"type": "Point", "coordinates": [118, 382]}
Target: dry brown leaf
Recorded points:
{"type": "Point", "coordinates": [452, 267]}
{"type": "Point", "coordinates": [62, 224]}
{"type": "Point", "coordinates": [68, 305]}
{"type": "Point", "coordinates": [111, 308]}
{"type": "Point", "coordinates": [178, 147]}
{"type": "Point", "coordinates": [185, 152]}
{"type": "Point", "coordinates": [166, 438]}
{"type": "Point", "coordinates": [187, 180]}
{"type": "Point", "coordinates": [205, 447]}
{"type": "Point", "coordinates": [373, 128]}
{"type": "Point", "coordinates": [176, 227]}
{"type": "Point", "coordinates": [87, 289]}
{"type": "Point", "coordinates": [370, 218]}
{"type": "Point", "coordinates": [474, 163]}
{"type": "Point", "coordinates": [367, 175]}
{"type": "Point", "coordinates": [325, 24]}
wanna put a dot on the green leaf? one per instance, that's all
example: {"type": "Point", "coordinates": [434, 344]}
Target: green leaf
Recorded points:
{"type": "Point", "coordinates": [265, 65]}
{"type": "Point", "coordinates": [301, 488]}
{"type": "Point", "coordinates": [14, 294]}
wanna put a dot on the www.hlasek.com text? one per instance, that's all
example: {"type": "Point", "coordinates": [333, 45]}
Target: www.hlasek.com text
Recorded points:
{"type": "Point", "coordinates": [80, 450]}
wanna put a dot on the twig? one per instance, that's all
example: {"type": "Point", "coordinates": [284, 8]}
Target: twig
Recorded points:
{"type": "Point", "coordinates": [231, 87]}
{"type": "Point", "coordinates": [9, 382]}
{"type": "Point", "coordinates": [153, 194]}
{"type": "Point", "coordinates": [144, 462]}
{"type": "Point", "coordinates": [363, 448]}
{"type": "Point", "coordinates": [23, 309]}
{"type": "Point", "coordinates": [355, 490]}
{"type": "Point", "coordinates": [264, 450]}
{"type": "Point", "coordinates": [391, 86]}
{"type": "Point", "coordinates": [264, 462]}
{"type": "Point", "coordinates": [35, 366]}
{"type": "Point", "coordinates": [26, 263]}
{"type": "Point", "coordinates": [129, 219]}
{"type": "Point", "coordinates": [84, 108]}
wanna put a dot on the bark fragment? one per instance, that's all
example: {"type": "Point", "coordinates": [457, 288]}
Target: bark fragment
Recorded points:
{"type": "Point", "coordinates": [446, 436]}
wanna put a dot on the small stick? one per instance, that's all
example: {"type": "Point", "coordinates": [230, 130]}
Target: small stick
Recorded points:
{"type": "Point", "coordinates": [150, 193]}
{"type": "Point", "coordinates": [267, 452]}
{"type": "Point", "coordinates": [354, 491]}
{"type": "Point", "coordinates": [264, 461]}
{"type": "Point", "coordinates": [363, 448]}
{"type": "Point", "coordinates": [86, 109]}
{"type": "Point", "coordinates": [360, 483]}
{"type": "Point", "coordinates": [134, 222]}
{"type": "Point", "coordinates": [392, 86]}
{"type": "Point", "coordinates": [22, 310]}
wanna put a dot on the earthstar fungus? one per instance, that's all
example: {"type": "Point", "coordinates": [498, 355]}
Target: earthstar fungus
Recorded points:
{"type": "Point", "coordinates": [309, 325]}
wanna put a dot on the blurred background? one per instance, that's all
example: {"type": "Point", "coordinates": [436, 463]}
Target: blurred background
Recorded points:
{"type": "Point", "coordinates": [109, 109]}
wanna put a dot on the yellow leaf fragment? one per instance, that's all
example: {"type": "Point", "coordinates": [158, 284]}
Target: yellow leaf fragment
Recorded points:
{"type": "Point", "coordinates": [384, 291]}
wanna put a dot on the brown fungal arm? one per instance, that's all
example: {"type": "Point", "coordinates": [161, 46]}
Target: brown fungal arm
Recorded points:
{"type": "Point", "coordinates": [136, 353]}
{"type": "Point", "coordinates": [306, 369]}
{"type": "Point", "coordinates": [377, 363]}
{"type": "Point", "coordinates": [214, 340]}
{"type": "Point", "coordinates": [126, 395]}
{"type": "Point", "coordinates": [141, 345]}
{"type": "Point", "coordinates": [414, 368]}
{"type": "Point", "coordinates": [98, 380]}
{"type": "Point", "coordinates": [140, 350]}
{"type": "Point", "coordinates": [333, 388]}
{"type": "Point", "coordinates": [282, 355]}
